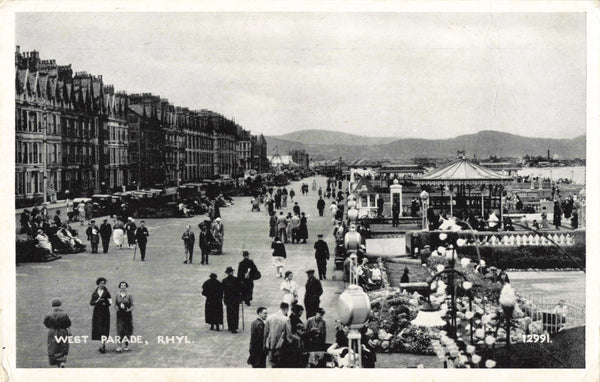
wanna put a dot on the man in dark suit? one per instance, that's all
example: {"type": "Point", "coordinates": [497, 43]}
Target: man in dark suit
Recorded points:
{"type": "Point", "coordinates": [247, 273]}
{"type": "Point", "coordinates": [204, 243]}
{"type": "Point", "coordinates": [321, 255]}
{"type": "Point", "coordinates": [258, 355]}
{"type": "Point", "coordinates": [93, 235]}
{"type": "Point", "coordinates": [321, 206]}
{"type": "Point", "coordinates": [232, 291]}
{"type": "Point", "coordinates": [105, 232]}
{"type": "Point", "coordinates": [141, 237]}
{"type": "Point", "coordinates": [312, 297]}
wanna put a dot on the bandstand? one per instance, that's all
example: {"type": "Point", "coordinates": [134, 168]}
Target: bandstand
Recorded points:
{"type": "Point", "coordinates": [462, 184]}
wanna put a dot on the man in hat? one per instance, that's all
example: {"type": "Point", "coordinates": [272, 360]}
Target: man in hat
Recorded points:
{"type": "Point", "coordinates": [105, 232]}
{"type": "Point", "coordinates": [321, 255]}
{"type": "Point", "coordinates": [93, 235]}
{"type": "Point", "coordinates": [189, 239]}
{"type": "Point", "coordinates": [312, 296]}
{"type": "Point", "coordinates": [141, 237]}
{"type": "Point", "coordinates": [232, 292]}
{"type": "Point", "coordinates": [204, 243]}
{"type": "Point", "coordinates": [247, 273]}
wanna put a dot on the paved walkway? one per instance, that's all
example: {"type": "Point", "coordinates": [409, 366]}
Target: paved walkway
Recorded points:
{"type": "Point", "coordinates": [167, 293]}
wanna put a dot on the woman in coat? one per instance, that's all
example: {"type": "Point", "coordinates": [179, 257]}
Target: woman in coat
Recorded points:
{"type": "Point", "coordinates": [58, 324]}
{"type": "Point", "coordinates": [130, 228]}
{"type": "Point", "coordinates": [213, 308]}
{"type": "Point", "coordinates": [118, 233]}
{"type": "Point", "coordinates": [273, 225]}
{"type": "Point", "coordinates": [279, 255]}
{"type": "Point", "coordinates": [101, 300]}
{"type": "Point", "coordinates": [290, 289]}
{"type": "Point", "coordinates": [124, 306]}
{"type": "Point", "coordinates": [303, 229]}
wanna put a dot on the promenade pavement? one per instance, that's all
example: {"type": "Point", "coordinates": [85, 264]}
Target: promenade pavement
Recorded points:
{"type": "Point", "coordinates": [167, 293]}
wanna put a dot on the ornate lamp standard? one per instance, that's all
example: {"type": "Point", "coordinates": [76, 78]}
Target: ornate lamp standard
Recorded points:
{"type": "Point", "coordinates": [424, 207]}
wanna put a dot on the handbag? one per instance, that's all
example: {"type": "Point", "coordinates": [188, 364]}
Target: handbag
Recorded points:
{"type": "Point", "coordinates": [256, 275]}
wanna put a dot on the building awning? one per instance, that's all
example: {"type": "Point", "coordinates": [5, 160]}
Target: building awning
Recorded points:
{"type": "Point", "coordinates": [462, 172]}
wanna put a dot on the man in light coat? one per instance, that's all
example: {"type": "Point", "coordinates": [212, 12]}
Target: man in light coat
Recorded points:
{"type": "Point", "coordinates": [278, 332]}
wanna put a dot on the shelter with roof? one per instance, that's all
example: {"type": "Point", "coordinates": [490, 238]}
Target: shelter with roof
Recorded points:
{"type": "Point", "coordinates": [366, 197]}
{"type": "Point", "coordinates": [466, 185]}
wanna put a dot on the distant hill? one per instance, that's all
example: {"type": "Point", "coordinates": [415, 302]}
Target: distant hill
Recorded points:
{"type": "Point", "coordinates": [482, 144]}
{"type": "Point", "coordinates": [324, 137]}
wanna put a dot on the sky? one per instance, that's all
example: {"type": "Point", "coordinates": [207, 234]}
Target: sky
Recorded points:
{"type": "Point", "coordinates": [427, 75]}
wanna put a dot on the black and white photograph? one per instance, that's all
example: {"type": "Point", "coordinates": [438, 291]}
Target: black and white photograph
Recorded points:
{"type": "Point", "coordinates": [303, 187]}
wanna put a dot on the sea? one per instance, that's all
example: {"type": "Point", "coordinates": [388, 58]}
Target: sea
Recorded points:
{"type": "Point", "coordinates": [574, 173]}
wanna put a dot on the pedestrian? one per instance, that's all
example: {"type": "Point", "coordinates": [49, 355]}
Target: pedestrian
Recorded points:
{"type": "Point", "coordinates": [395, 214]}
{"type": "Point", "coordinates": [218, 233]}
{"type": "Point", "coordinates": [141, 236]}
{"type": "Point", "coordinates": [247, 273]}
{"type": "Point", "coordinates": [289, 288]}
{"type": "Point", "coordinates": [320, 192]}
{"type": "Point", "coordinates": [118, 234]}
{"type": "Point", "coordinates": [89, 211]}
{"type": "Point", "coordinates": [101, 300]}
{"type": "Point", "coordinates": [271, 206]}
{"type": "Point", "coordinates": [321, 256]}
{"type": "Point", "coordinates": [303, 228]}
{"type": "Point", "coordinates": [189, 239]}
{"type": "Point", "coordinates": [321, 206]}
{"type": "Point", "coordinates": [544, 216]}
{"type": "Point", "coordinates": [295, 228]}
{"type": "Point", "coordinates": [212, 289]}
{"type": "Point", "coordinates": [292, 194]}
{"type": "Point", "coordinates": [296, 316]}
{"type": "Point", "coordinates": [58, 324]}
{"type": "Point", "coordinates": [81, 210]}
{"type": "Point", "coordinates": [333, 208]}
{"type": "Point", "coordinates": [105, 233]}
{"type": "Point", "coordinates": [293, 353]}
{"type": "Point", "coordinates": [93, 235]}
{"type": "Point", "coordinates": [272, 225]}
{"type": "Point", "coordinates": [258, 355]}
{"type": "Point", "coordinates": [379, 205]}
{"type": "Point", "coordinates": [557, 215]}
{"type": "Point", "coordinates": [130, 228]}
{"type": "Point", "coordinates": [278, 332]}
{"type": "Point", "coordinates": [57, 221]}
{"type": "Point", "coordinates": [404, 278]}
{"type": "Point", "coordinates": [279, 255]}
{"type": "Point", "coordinates": [289, 228]}
{"type": "Point", "coordinates": [281, 226]}
{"type": "Point", "coordinates": [316, 329]}
{"type": "Point", "coordinates": [312, 295]}
{"type": "Point", "coordinates": [204, 243]}
{"type": "Point", "coordinates": [124, 306]}
{"type": "Point", "coordinates": [232, 292]}
{"type": "Point", "coordinates": [278, 199]}
{"type": "Point", "coordinates": [574, 220]}
{"type": "Point", "coordinates": [296, 209]}
{"type": "Point", "coordinates": [284, 200]}
{"type": "Point", "coordinates": [314, 185]}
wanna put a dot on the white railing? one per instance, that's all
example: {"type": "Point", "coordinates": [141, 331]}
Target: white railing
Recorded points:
{"type": "Point", "coordinates": [516, 239]}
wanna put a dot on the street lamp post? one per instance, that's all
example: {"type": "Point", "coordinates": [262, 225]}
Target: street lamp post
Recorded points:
{"type": "Point", "coordinates": [425, 205]}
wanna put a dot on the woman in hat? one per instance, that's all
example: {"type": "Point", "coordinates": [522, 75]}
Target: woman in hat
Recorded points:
{"type": "Point", "coordinates": [213, 307]}
{"type": "Point", "coordinates": [58, 324]}
{"type": "Point", "coordinates": [130, 228]}
{"type": "Point", "coordinates": [303, 229]}
{"type": "Point", "coordinates": [279, 255]}
{"type": "Point", "coordinates": [404, 278]}
{"type": "Point", "coordinates": [124, 306]}
{"type": "Point", "coordinates": [101, 300]}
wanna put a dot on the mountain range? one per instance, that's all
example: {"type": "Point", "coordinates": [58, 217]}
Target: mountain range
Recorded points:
{"type": "Point", "coordinates": [325, 144]}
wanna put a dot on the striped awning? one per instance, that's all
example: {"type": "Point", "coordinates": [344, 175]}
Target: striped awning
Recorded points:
{"type": "Point", "coordinates": [462, 172]}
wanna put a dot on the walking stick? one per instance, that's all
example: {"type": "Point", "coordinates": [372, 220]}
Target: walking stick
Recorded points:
{"type": "Point", "coordinates": [243, 321]}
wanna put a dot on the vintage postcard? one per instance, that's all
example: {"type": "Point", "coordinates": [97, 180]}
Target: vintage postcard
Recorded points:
{"type": "Point", "coordinates": [204, 187]}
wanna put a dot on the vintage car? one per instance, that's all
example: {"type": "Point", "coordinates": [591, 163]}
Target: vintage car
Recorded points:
{"type": "Point", "coordinates": [102, 205]}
